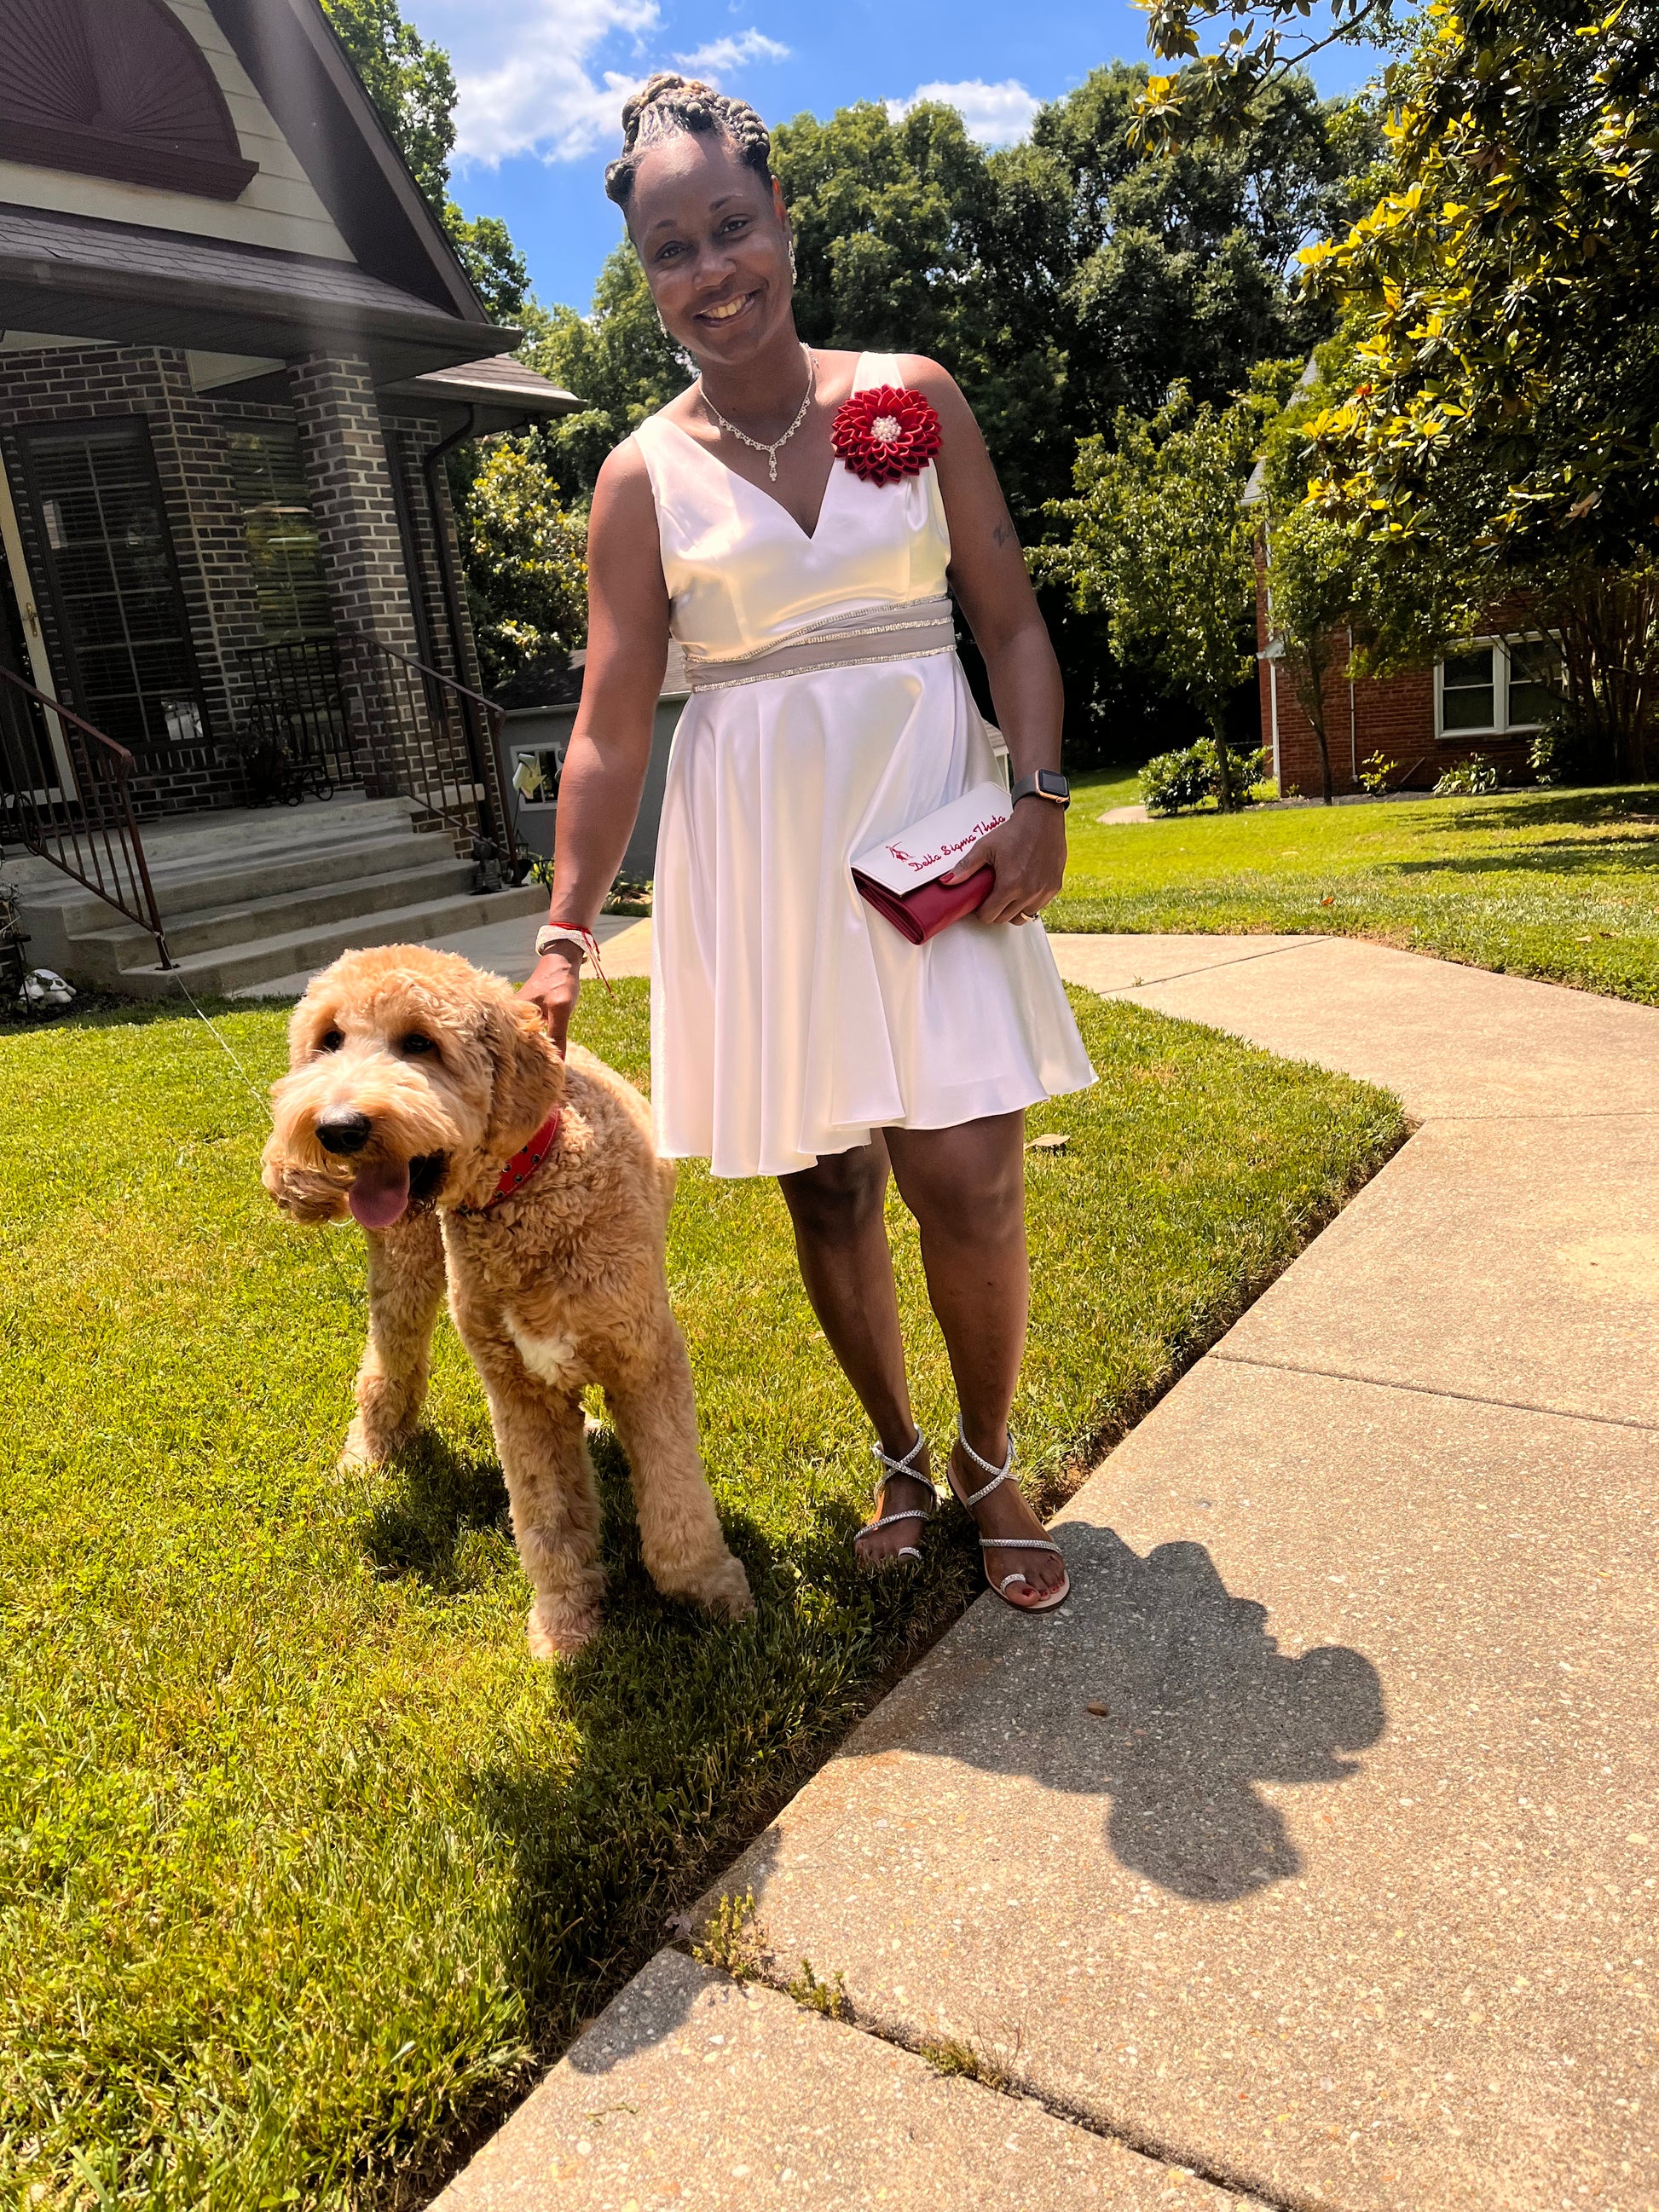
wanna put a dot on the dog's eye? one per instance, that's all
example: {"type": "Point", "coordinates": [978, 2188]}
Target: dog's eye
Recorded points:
{"type": "Point", "coordinates": [330, 1040]}
{"type": "Point", "coordinates": [417, 1046]}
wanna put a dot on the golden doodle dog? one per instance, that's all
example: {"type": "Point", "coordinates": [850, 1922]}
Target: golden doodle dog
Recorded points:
{"type": "Point", "coordinates": [425, 1099]}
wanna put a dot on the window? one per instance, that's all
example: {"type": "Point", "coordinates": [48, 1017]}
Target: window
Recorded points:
{"type": "Point", "coordinates": [114, 589]}
{"type": "Point", "coordinates": [535, 773]}
{"type": "Point", "coordinates": [1497, 687]}
{"type": "Point", "coordinates": [275, 503]}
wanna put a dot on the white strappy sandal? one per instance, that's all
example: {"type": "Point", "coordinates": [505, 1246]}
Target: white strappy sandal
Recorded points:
{"type": "Point", "coordinates": [887, 1520]}
{"type": "Point", "coordinates": [968, 1499]}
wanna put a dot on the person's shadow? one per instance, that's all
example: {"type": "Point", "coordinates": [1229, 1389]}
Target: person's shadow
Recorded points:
{"type": "Point", "coordinates": [1202, 1705]}
{"type": "Point", "coordinates": [1161, 1691]}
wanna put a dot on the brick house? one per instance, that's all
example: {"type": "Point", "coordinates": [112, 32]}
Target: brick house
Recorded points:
{"type": "Point", "coordinates": [236, 345]}
{"type": "Point", "coordinates": [1490, 697]}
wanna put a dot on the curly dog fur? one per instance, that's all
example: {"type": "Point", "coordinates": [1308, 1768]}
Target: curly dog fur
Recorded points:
{"type": "Point", "coordinates": [413, 1077]}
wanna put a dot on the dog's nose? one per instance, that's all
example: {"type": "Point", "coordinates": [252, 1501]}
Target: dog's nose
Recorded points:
{"type": "Point", "coordinates": [343, 1133]}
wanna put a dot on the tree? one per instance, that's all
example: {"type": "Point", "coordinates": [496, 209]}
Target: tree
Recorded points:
{"type": "Point", "coordinates": [617, 358]}
{"type": "Point", "coordinates": [524, 556]}
{"type": "Point", "coordinates": [413, 86]}
{"type": "Point", "coordinates": [1162, 544]}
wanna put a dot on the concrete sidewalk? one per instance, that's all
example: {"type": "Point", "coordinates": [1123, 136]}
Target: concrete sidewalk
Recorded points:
{"type": "Point", "coordinates": [1310, 1855]}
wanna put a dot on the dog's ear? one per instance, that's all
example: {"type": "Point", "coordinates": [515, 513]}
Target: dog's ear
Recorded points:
{"type": "Point", "coordinates": [528, 1081]}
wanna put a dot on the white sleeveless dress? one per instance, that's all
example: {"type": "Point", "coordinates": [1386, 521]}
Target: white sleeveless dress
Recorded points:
{"type": "Point", "coordinates": [788, 1020]}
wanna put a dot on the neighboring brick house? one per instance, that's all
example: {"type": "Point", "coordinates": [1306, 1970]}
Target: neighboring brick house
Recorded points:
{"type": "Point", "coordinates": [234, 343]}
{"type": "Point", "coordinates": [1490, 697]}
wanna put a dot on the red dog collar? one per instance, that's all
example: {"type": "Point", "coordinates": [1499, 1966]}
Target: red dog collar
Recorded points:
{"type": "Point", "coordinates": [522, 1165]}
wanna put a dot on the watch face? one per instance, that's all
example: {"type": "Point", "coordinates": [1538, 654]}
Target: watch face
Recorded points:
{"type": "Point", "coordinates": [1051, 780]}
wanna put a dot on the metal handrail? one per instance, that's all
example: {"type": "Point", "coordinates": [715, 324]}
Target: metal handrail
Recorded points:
{"type": "Point", "coordinates": [90, 834]}
{"type": "Point", "coordinates": [482, 723]}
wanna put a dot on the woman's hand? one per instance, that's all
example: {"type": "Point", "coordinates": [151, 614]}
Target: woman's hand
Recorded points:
{"type": "Point", "coordinates": [1028, 852]}
{"type": "Point", "coordinates": [554, 985]}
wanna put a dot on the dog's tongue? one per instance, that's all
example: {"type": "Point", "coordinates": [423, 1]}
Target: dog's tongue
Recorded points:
{"type": "Point", "coordinates": [379, 1192]}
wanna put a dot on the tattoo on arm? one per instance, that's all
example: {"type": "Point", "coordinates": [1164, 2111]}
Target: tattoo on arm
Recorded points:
{"type": "Point", "coordinates": [1004, 533]}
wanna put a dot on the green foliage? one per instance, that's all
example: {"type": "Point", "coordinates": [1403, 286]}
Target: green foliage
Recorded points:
{"type": "Point", "coordinates": [1160, 542]}
{"type": "Point", "coordinates": [498, 272]}
{"type": "Point", "coordinates": [829, 1999]}
{"type": "Point", "coordinates": [304, 1865]}
{"type": "Point", "coordinates": [1537, 883]}
{"type": "Point", "coordinates": [617, 360]}
{"type": "Point", "coordinates": [1214, 98]}
{"type": "Point", "coordinates": [526, 573]}
{"type": "Point", "coordinates": [1171, 783]}
{"type": "Point", "coordinates": [1477, 777]}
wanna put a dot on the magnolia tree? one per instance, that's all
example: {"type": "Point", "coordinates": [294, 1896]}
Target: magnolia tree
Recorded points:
{"type": "Point", "coordinates": [1161, 544]}
{"type": "Point", "coordinates": [1495, 434]}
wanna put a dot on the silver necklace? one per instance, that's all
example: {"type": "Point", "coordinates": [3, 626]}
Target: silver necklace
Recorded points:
{"type": "Point", "coordinates": [759, 445]}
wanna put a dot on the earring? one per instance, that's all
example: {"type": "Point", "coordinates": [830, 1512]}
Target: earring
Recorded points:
{"type": "Point", "coordinates": [792, 257]}
{"type": "Point", "coordinates": [661, 326]}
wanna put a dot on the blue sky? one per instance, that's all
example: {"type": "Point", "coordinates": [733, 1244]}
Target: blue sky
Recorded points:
{"type": "Point", "coordinates": [542, 81]}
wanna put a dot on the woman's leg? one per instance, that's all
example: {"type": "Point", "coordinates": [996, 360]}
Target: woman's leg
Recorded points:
{"type": "Point", "coordinates": [966, 1187]}
{"type": "Point", "coordinates": [838, 1209]}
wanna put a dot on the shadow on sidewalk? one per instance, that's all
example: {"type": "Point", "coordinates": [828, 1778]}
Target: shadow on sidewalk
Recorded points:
{"type": "Point", "coordinates": [1200, 1706]}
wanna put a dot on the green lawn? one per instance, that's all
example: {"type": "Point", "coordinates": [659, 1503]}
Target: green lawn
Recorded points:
{"type": "Point", "coordinates": [301, 1859]}
{"type": "Point", "coordinates": [1562, 884]}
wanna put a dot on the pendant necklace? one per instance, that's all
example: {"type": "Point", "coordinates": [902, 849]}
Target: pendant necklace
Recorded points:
{"type": "Point", "coordinates": [759, 445]}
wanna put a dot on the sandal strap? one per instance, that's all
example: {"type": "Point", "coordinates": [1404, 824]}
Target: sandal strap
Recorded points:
{"type": "Point", "coordinates": [998, 1474]}
{"type": "Point", "coordinates": [1016, 1544]}
{"type": "Point", "coordinates": [903, 1466]}
{"type": "Point", "coordinates": [915, 1513]}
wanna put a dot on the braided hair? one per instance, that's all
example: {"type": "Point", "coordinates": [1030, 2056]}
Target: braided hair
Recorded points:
{"type": "Point", "coordinates": [666, 104]}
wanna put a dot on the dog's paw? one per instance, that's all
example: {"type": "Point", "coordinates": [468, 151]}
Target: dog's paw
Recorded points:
{"type": "Point", "coordinates": [557, 1628]}
{"type": "Point", "coordinates": [723, 1591]}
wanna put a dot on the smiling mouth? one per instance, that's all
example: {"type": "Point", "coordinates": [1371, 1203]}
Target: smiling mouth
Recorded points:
{"type": "Point", "coordinates": [725, 311]}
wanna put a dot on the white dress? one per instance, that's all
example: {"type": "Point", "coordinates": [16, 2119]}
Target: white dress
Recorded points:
{"type": "Point", "coordinates": [787, 1018]}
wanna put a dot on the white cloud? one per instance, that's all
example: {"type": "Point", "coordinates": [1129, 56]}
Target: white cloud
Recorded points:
{"type": "Point", "coordinates": [995, 114]}
{"type": "Point", "coordinates": [720, 55]}
{"type": "Point", "coordinates": [532, 77]}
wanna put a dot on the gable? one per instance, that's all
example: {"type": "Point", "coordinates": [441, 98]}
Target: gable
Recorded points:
{"type": "Point", "coordinates": [128, 94]}
{"type": "Point", "coordinates": [139, 112]}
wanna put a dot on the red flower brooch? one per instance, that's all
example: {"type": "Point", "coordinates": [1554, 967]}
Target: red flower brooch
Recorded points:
{"type": "Point", "coordinates": [886, 434]}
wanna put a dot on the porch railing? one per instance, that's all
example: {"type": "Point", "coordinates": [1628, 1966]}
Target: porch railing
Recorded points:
{"type": "Point", "coordinates": [444, 743]}
{"type": "Point", "coordinates": [66, 796]}
{"type": "Point", "coordinates": [326, 713]}
{"type": "Point", "coordinates": [297, 740]}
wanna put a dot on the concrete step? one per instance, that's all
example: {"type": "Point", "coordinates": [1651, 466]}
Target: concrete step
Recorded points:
{"type": "Point", "coordinates": [218, 972]}
{"type": "Point", "coordinates": [286, 911]}
{"type": "Point", "coordinates": [186, 894]}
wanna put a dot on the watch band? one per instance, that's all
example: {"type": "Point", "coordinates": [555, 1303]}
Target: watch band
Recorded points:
{"type": "Point", "coordinates": [1044, 783]}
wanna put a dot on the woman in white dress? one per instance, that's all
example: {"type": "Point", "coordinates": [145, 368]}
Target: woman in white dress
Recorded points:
{"type": "Point", "coordinates": [794, 1031]}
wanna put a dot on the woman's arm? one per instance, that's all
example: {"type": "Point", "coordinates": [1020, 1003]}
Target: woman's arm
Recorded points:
{"type": "Point", "coordinates": [987, 574]}
{"type": "Point", "coordinates": [609, 747]}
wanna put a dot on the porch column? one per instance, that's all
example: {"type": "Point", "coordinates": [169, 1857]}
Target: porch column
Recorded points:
{"type": "Point", "coordinates": [349, 479]}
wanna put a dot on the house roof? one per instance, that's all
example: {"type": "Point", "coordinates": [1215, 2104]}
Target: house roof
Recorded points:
{"type": "Point", "coordinates": [72, 274]}
{"type": "Point", "coordinates": [501, 391]}
{"type": "Point", "coordinates": [404, 302]}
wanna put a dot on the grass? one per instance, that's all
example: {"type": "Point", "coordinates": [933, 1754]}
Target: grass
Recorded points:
{"type": "Point", "coordinates": [1559, 884]}
{"type": "Point", "coordinates": [302, 1862]}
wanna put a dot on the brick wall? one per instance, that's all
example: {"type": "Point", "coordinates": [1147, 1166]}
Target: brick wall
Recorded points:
{"type": "Point", "coordinates": [1393, 715]}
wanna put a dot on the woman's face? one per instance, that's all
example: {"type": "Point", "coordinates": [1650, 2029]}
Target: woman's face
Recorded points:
{"type": "Point", "coordinates": [714, 243]}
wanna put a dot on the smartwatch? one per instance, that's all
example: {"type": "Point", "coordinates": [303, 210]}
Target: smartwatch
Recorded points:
{"type": "Point", "coordinates": [1047, 783]}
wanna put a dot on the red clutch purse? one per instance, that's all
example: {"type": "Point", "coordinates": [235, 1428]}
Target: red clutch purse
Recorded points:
{"type": "Point", "coordinates": [923, 913]}
{"type": "Point", "coordinates": [900, 879]}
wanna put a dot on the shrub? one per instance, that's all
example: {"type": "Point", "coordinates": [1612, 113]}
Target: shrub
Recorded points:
{"type": "Point", "coordinates": [1474, 778]}
{"type": "Point", "coordinates": [1374, 773]}
{"type": "Point", "coordinates": [1174, 781]}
